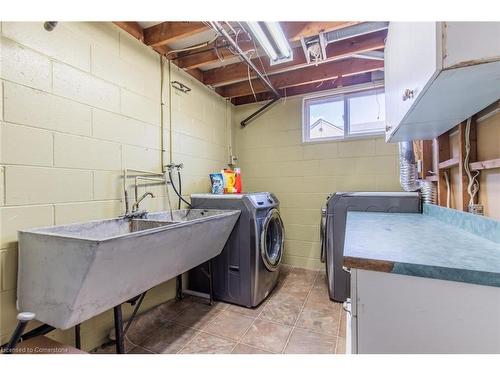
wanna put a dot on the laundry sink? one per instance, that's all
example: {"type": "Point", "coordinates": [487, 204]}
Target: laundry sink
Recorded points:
{"type": "Point", "coordinates": [70, 273]}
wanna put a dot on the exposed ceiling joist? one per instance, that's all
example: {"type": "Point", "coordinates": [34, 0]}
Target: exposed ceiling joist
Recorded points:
{"type": "Point", "coordinates": [210, 56]}
{"type": "Point", "coordinates": [334, 51]}
{"type": "Point", "coordinates": [311, 74]}
{"type": "Point", "coordinates": [168, 32]}
{"type": "Point", "coordinates": [307, 88]}
{"type": "Point", "coordinates": [296, 30]}
{"type": "Point", "coordinates": [131, 27]}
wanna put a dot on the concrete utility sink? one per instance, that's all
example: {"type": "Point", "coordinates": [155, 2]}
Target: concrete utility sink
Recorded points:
{"type": "Point", "coordinates": [70, 273]}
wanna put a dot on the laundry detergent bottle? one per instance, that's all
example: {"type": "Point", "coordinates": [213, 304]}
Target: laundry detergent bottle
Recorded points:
{"type": "Point", "coordinates": [237, 182]}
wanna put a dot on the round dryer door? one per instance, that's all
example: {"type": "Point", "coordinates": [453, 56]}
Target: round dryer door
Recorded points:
{"type": "Point", "coordinates": [272, 239]}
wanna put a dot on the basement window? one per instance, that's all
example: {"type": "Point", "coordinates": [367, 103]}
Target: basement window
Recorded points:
{"type": "Point", "coordinates": [344, 116]}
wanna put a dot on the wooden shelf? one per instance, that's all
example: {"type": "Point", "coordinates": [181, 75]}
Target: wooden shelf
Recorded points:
{"type": "Point", "coordinates": [453, 162]}
{"type": "Point", "coordinates": [485, 164]}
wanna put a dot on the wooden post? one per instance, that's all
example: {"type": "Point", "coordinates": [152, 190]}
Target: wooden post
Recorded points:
{"type": "Point", "coordinates": [427, 159]}
{"type": "Point", "coordinates": [443, 153]}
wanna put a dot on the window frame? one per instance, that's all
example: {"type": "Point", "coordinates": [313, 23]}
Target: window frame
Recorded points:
{"type": "Point", "coordinates": [340, 94]}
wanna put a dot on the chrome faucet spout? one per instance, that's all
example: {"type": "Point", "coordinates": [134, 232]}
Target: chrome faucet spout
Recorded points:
{"type": "Point", "coordinates": [135, 207]}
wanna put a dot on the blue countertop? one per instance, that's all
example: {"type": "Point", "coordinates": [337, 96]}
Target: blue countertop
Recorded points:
{"type": "Point", "coordinates": [440, 243]}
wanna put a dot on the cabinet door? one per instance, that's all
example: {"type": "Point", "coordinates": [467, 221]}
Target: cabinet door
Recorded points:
{"type": "Point", "coordinates": [412, 53]}
{"type": "Point", "coordinates": [469, 43]}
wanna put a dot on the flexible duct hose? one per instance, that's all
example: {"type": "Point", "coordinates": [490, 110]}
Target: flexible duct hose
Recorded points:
{"type": "Point", "coordinates": [408, 174]}
{"type": "Point", "coordinates": [407, 168]}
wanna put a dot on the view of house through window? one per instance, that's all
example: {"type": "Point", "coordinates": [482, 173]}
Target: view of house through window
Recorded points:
{"type": "Point", "coordinates": [344, 115]}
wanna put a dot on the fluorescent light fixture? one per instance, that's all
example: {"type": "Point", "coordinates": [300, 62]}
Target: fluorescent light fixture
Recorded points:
{"type": "Point", "coordinates": [280, 39]}
{"type": "Point", "coordinates": [262, 39]}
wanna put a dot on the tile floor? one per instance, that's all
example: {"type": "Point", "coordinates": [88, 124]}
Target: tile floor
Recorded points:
{"type": "Point", "coordinates": [298, 318]}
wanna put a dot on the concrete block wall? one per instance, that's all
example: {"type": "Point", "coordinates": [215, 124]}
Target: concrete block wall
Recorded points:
{"type": "Point", "coordinates": [273, 158]}
{"type": "Point", "coordinates": [78, 105]}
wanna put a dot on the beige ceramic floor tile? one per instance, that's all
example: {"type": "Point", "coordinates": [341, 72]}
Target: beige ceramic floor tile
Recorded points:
{"type": "Point", "coordinates": [303, 273]}
{"type": "Point", "coordinates": [197, 315]}
{"type": "Point", "coordinates": [205, 301]}
{"type": "Point", "coordinates": [319, 299]}
{"type": "Point", "coordinates": [268, 336]}
{"type": "Point", "coordinates": [323, 321]}
{"type": "Point", "coordinates": [307, 342]}
{"type": "Point", "coordinates": [229, 324]}
{"type": "Point", "coordinates": [251, 312]}
{"type": "Point", "coordinates": [139, 350]}
{"type": "Point", "coordinates": [281, 312]}
{"type": "Point", "coordinates": [205, 343]}
{"type": "Point", "coordinates": [170, 338]}
{"type": "Point", "coordinates": [245, 349]}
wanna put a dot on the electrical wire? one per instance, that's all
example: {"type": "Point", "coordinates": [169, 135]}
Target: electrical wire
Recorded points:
{"type": "Point", "coordinates": [473, 185]}
{"type": "Point", "coordinates": [196, 46]}
{"type": "Point", "coordinates": [448, 189]}
{"type": "Point", "coordinates": [250, 82]}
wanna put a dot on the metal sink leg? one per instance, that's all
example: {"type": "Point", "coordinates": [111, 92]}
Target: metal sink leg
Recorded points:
{"type": "Point", "coordinates": [120, 343]}
{"type": "Point", "coordinates": [179, 295]}
{"type": "Point", "coordinates": [78, 339]}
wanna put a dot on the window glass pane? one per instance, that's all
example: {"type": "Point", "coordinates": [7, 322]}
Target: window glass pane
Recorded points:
{"type": "Point", "coordinates": [326, 118]}
{"type": "Point", "coordinates": [367, 112]}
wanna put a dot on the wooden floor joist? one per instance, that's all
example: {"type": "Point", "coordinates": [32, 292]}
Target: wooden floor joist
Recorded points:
{"type": "Point", "coordinates": [296, 30]}
{"type": "Point", "coordinates": [334, 51]}
{"type": "Point", "coordinates": [304, 76]}
{"type": "Point", "coordinates": [131, 27]}
{"type": "Point", "coordinates": [168, 32]}
{"type": "Point", "coordinates": [306, 89]}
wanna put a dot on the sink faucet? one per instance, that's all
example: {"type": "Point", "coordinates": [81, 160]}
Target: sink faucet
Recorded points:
{"type": "Point", "coordinates": [135, 207]}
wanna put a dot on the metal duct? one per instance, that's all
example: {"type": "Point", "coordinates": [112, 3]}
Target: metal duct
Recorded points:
{"type": "Point", "coordinates": [355, 30]}
{"type": "Point", "coordinates": [408, 174]}
{"type": "Point", "coordinates": [407, 167]}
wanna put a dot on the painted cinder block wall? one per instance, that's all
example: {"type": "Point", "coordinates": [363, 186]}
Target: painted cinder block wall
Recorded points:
{"type": "Point", "coordinates": [273, 158]}
{"type": "Point", "coordinates": [77, 106]}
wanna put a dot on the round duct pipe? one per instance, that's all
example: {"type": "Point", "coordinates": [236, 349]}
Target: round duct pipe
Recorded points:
{"type": "Point", "coordinates": [408, 174]}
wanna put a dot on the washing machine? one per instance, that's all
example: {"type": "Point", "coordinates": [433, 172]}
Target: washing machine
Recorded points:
{"type": "Point", "coordinates": [248, 267]}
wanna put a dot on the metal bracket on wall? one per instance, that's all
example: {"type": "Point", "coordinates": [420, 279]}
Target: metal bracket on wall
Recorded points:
{"type": "Point", "coordinates": [180, 86]}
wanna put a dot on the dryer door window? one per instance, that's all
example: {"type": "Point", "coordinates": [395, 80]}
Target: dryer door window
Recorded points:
{"type": "Point", "coordinates": [271, 240]}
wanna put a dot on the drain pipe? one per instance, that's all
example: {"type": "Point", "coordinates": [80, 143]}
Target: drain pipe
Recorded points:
{"type": "Point", "coordinates": [243, 56]}
{"type": "Point", "coordinates": [408, 175]}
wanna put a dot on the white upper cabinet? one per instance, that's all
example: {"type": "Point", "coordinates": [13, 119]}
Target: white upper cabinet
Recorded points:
{"type": "Point", "coordinates": [437, 74]}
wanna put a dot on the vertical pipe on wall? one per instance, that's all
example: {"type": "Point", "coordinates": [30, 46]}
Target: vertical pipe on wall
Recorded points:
{"type": "Point", "coordinates": [162, 113]}
{"type": "Point", "coordinates": [162, 131]}
{"type": "Point", "coordinates": [170, 111]}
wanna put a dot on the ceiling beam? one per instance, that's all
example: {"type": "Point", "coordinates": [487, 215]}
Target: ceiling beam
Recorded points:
{"type": "Point", "coordinates": [308, 88]}
{"type": "Point", "coordinates": [311, 74]}
{"type": "Point", "coordinates": [131, 27]}
{"type": "Point", "coordinates": [168, 32]}
{"type": "Point", "coordinates": [296, 30]}
{"type": "Point", "coordinates": [238, 72]}
{"type": "Point", "coordinates": [209, 56]}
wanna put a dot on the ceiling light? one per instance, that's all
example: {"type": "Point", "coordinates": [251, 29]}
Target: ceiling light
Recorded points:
{"type": "Point", "coordinates": [273, 40]}
{"type": "Point", "coordinates": [262, 39]}
{"type": "Point", "coordinates": [279, 37]}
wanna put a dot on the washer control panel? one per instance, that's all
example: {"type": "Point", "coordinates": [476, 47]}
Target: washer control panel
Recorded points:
{"type": "Point", "coordinates": [262, 200]}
